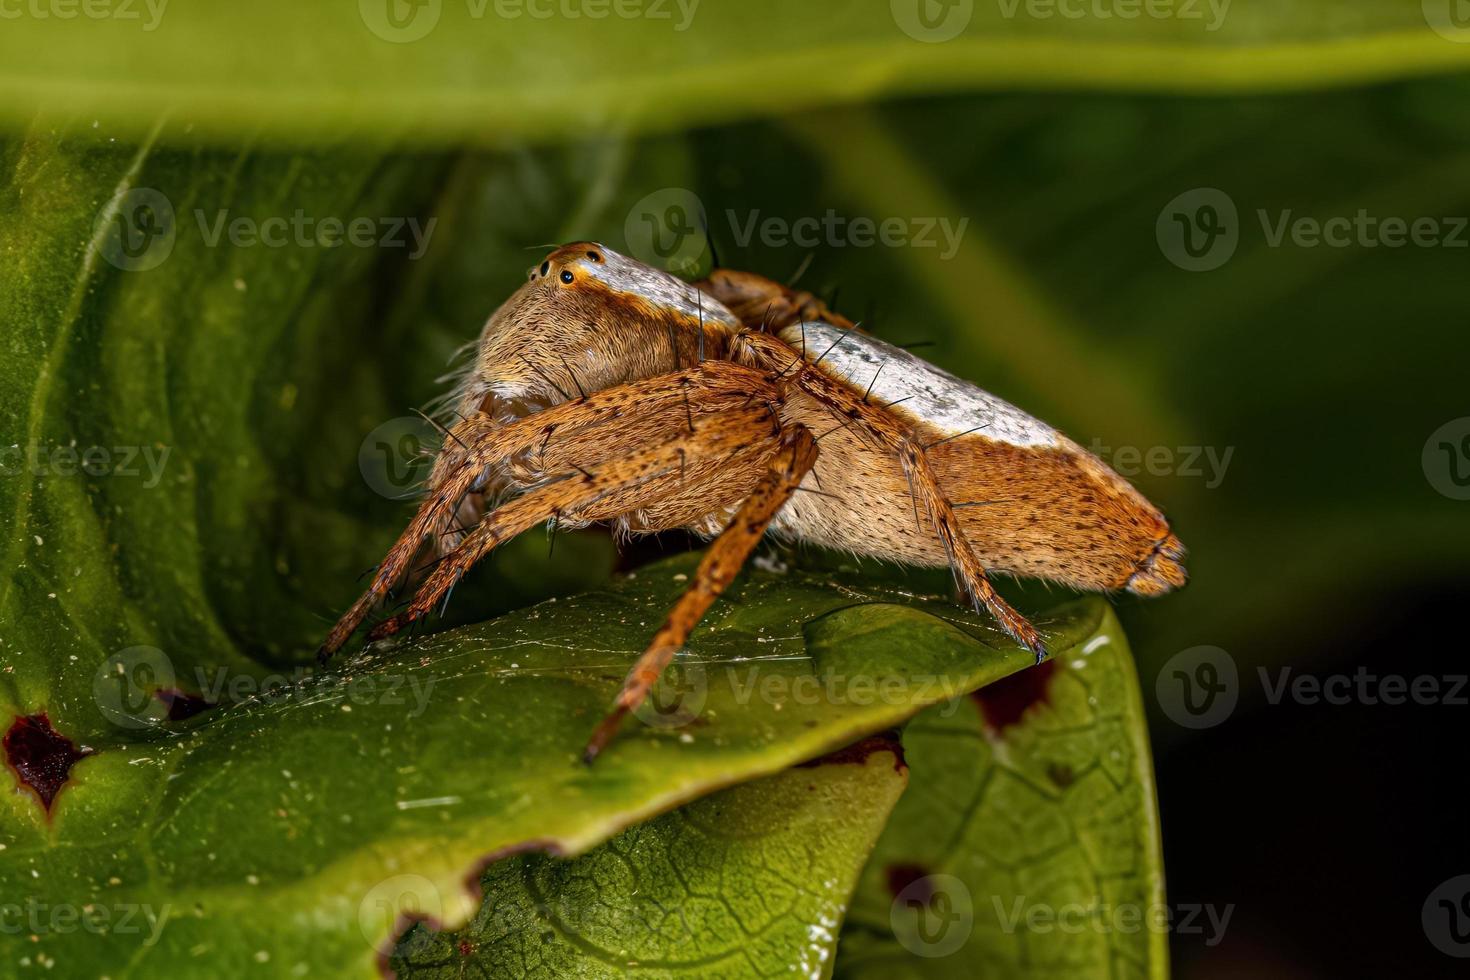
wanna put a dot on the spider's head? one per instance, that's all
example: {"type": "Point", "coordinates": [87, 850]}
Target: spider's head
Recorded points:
{"type": "Point", "coordinates": [588, 318]}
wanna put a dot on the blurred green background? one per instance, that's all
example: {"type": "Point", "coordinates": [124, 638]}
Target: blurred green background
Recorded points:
{"type": "Point", "coordinates": [1290, 393]}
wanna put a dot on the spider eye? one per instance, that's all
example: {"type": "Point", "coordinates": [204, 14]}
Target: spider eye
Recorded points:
{"type": "Point", "coordinates": [594, 256]}
{"type": "Point", "coordinates": [566, 276]}
{"type": "Point", "coordinates": [545, 267]}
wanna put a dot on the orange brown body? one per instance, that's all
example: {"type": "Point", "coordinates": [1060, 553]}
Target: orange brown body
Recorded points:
{"type": "Point", "coordinates": [605, 390]}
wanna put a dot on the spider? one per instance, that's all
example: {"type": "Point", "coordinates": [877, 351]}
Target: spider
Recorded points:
{"type": "Point", "coordinates": [606, 390]}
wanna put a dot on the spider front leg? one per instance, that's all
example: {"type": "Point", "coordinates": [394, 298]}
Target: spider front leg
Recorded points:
{"type": "Point", "coordinates": [679, 467]}
{"type": "Point", "coordinates": [591, 428]}
{"type": "Point", "coordinates": [725, 557]}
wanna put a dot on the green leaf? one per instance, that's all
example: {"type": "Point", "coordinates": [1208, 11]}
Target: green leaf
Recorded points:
{"type": "Point", "coordinates": [1028, 843]}
{"type": "Point", "coordinates": [751, 881]}
{"type": "Point", "coordinates": [181, 431]}
{"type": "Point", "coordinates": [503, 70]}
{"type": "Point", "coordinates": [274, 828]}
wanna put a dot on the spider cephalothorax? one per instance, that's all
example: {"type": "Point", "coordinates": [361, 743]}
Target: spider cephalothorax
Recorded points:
{"type": "Point", "coordinates": [605, 390]}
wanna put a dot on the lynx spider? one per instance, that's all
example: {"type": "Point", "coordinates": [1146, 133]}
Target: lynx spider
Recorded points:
{"type": "Point", "coordinates": [606, 390]}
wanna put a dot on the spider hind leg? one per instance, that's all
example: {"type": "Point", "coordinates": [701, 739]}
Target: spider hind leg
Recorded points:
{"type": "Point", "coordinates": [725, 557]}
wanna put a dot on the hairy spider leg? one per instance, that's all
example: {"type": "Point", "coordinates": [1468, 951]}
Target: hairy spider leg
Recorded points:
{"type": "Point", "coordinates": [723, 560]}
{"type": "Point", "coordinates": [605, 490]}
{"type": "Point", "coordinates": [479, 443]}
{"type": "Point", "coordinates": [849, 407]}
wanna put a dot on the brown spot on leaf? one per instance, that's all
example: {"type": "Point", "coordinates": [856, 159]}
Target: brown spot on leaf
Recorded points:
{"type": "Point", "coordinates": [182, 704]}
{"type": "Point", "coordinates": [1060, 774]}
{"type": "Point", "coordinates": [1003, 703]}
{"type": "Point", "coordinates": [41, 756]}
{"type": "Point", "coordinates": [857, 753]}
{"type": "Point", "coordinates": [900, 876]}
